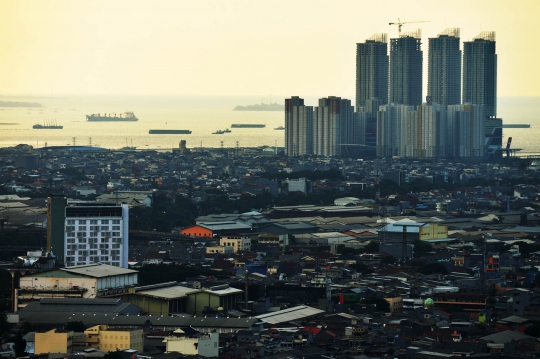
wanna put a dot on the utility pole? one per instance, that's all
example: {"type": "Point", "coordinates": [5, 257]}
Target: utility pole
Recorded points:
{"type": "Point", "coordinates": [246, 282]}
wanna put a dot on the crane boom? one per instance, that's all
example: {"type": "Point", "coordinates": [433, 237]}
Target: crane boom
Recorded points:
{"type": "Point", "coordinates": [400, 23]}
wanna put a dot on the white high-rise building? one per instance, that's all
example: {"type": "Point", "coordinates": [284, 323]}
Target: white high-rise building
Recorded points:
{"type": "Point", "coordinates": [433, 131]}
{"type": "Point", "coordinates": [96, 234]}
{"type": "Point", "coordinates": [334, 125]}
{"type": "Point", "coordinates": [410, 130]}
{"type": "Point", "coordinates": [390, 120]}
{"type": "Point", "coordinates": [466, 130]}
{"type": "Point", "coordinates": [298, 127]}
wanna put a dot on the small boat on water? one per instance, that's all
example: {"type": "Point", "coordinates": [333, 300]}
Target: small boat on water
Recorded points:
{"type": "Point", "coordinates": [218, 132]}
{"type": "Point", "coordinates": [127, 147]}
{"type": "Point", "coordinates": [279, 128]}
{"type": "Point", "coordinates": [227, 130]}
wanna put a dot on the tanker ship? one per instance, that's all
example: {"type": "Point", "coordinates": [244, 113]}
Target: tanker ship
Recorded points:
{"type": "Point", "coordinates": [127, 116]}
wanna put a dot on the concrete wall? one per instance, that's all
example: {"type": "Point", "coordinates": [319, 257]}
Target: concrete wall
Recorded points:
{"type": "Point", "coordinates": [100, 337]}
{"type": "Point", "coordinates": [206, 346]}
{"type": "Point", "coordinates": [53, 342]}
{"type": "Point", "coordinates": [434, 231]}
{"type": "Point", "coordinates": [149, 305]}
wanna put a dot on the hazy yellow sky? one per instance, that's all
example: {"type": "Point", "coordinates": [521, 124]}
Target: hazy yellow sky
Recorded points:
{"type": "Point", "coordinates": [194, 47]}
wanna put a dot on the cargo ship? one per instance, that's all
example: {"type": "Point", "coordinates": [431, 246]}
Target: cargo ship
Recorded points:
{"type": "Point", "coordinates": [247, 125]}
{"type": "Point", "coordinates": [516, 125]}
{"type": "Point", "coordinates": [127, 116]}
{"type": "Point", "coordinates": [169, 132]}
{"type": "Point", "coordinates": [48, 125]}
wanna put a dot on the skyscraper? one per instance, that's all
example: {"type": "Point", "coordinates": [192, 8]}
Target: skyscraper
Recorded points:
{"type": "Point", "coordinates": [333, 125]}
{"type": "Point", "coordinates": [372, 70]}
{"type": "Point", "coordinates": [298, 127]}
{"type": "Point", "coordinates": [480, 72]}
{"type": "Point", "coordinates": [406, 69]}
{"type": "Point", "coordinates": [444, 68]}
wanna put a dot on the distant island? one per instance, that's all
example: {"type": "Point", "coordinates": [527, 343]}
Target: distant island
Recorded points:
{"type": "Point", "coordinates": [261, 107]}
{"type": "Point", "coordinates": [19, 104]}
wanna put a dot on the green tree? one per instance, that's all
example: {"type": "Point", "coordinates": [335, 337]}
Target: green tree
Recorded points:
{"type": "Point", "coordinates": [389, 260]}
{"type": "Point", "coordinates": [433, 268]}
{"type": "Point", "coordinates": [421, 248]}
{"type": "Point", "coordinates": [533, 330]}
{"type": "Point", "coordinates": [164, 215]}
{"type": "Point", "coordinates": [19, 345]}
{"type": "Point", "coordinates": [4, 325]}
{"type": "Point", "coordinates": [117, 354]}
{"type": "Point", "coordinates": [381, 304]}
{"type": "Point", "coordinates": [76, 326]}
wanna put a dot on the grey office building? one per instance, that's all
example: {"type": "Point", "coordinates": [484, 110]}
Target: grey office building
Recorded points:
{"type": "Point", "coordinates": [406, 69]}
{"type": "Point", "coordinates": [480, 72]}
{"type": "Point", "coordinates": [372, 70]}
{"type": "Point", "coordinates": [444, 69]}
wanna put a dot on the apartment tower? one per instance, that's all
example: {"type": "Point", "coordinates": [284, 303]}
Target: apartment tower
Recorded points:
{"type": "Point", "coordinates": [406, 69]}
{"type": "Point", "coordinates": [372, 70]}
{"type": "Point", "coordinates": [480, 72]}
{"type": "Point", "coordinates": [444, 68]}
{"type": "Point", "coordinates": [298, 127]}
{"type": "Point", "coordinates": [333, 126]}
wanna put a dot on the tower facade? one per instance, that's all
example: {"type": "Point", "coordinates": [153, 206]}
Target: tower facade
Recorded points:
{"type": "Point", "coordinates": [406, 69]}
{"type": "Point", "coordinates": [390, 120]}
{"type": "Point", "coordinates": [444, 68]}
{"type": "Point", "coordinates": [466, 130]}
{"type": "Point", "coordinates": [298, 127]}
{"type": "Point", "coordinates": [372, 70]}
{"type": "Point", "coordinates": [480, 72]}
{"type": "Point", "coordinates": [56, 206]}
{"type": "Point", "coordinates": [334, 125]}
{"type": "Point", "coordinates": [96, 234]}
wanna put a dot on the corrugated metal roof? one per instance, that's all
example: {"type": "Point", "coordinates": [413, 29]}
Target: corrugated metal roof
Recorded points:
{"type": "Point", "coordinates": [172, 292]}
{"type": "Point", "coordinates": [289, 314]}
{"type": "Point", "coordinates": [296, 225]}
{"type": "Point", "coordinates": [216, 226]}
{"type": "Point", "coordinates": [225, 291]}
{"type": "Point", "coordinates": [136, 320]}
{"type": "Point", "coordinates": [78, 305]}
{"type": "Point", "coordinates": [412, 227]}
{"type": "Point", "coordinates": [98, 270]}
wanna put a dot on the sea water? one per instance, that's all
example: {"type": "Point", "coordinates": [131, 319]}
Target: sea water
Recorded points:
{"type": "Point", "coordinates": [201, 115]}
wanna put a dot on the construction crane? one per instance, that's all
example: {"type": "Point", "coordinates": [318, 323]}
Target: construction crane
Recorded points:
{"type": "Point", "coordinates": [400, 24]}
{"type": "Point", "coordinates": [508, 144]}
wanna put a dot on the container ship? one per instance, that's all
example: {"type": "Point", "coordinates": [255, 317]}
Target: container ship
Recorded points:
{"type": "Point", "coordinates": [516, 125]}
{"type": "Point", "coordinates": [247, 125]}
{"type": "Point", "coordinates": [127, 116]}
{"type": "Point", "coordinates": [48, 125]}
{"type": "Point", "coordinates": [169, 132]}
